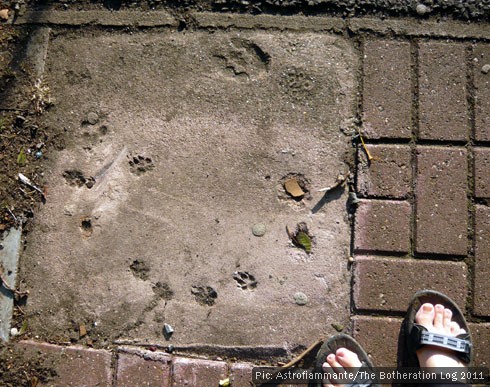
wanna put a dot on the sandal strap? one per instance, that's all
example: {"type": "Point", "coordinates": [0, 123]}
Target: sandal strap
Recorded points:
{"type": "Point", "coordinates": [443, 341]}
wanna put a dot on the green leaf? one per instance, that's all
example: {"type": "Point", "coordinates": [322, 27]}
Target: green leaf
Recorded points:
{"type": "Point", "coordinates": [23, 329]}
{"type": "Point", "coordinates": [304, 241]}
{"type": "Point", "coordinates": [21, 158]}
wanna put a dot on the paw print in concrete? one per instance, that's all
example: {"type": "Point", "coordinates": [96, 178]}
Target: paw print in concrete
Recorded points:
{"type": "Point", "coordinates": [140, 164]}
{"type": "Point", "coordinates": [245, 280]}
{"type": "Point", "coordinates": [204, 295]}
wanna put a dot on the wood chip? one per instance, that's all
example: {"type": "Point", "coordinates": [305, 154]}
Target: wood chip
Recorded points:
{"type": "Point", "coordinates": [83, 331]}
{"type": "Point", "coordinates": [4, 14]}
{"type": "Point", "coordinates": [293, 188]}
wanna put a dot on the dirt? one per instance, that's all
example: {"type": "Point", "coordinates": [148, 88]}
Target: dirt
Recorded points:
{"type": "Point", "coordinates": [20, 369]}
{"type": "Point", "coordinates": [26, 144]}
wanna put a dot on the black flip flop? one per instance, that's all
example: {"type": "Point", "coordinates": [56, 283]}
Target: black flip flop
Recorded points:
{"type": "Point", "coordinates": [417, 335]}
{"type": "Point", "coordinates": [344, 341]}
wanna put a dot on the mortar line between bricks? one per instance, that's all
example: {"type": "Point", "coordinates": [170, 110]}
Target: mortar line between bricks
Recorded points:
{"type": "Point", "coordinates": [359, 43]}
{"type": "Point", "coordinates": [470, 91]}
{"type": "Point", "coordinates": [114, 360]}
{"type": "Point", "coordinates": [414, 58]}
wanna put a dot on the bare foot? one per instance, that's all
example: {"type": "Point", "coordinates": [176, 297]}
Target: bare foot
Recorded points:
{"type": "Point", "coordinates": [437, 319]}
{"type": "Point", "coordinates": [343, 358]}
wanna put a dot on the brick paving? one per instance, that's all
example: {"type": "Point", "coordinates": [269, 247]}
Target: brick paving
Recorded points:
{"type": "Point", "coordinates": [423, 220]}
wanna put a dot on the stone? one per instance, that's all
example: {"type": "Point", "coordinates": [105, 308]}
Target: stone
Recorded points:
{"type": "Point", "coordinates": [300, 298]}
{"type": "Point", "coordinates": [421, 9]}
{"type": "Point", "coordinates": [258, 229]}
{"type": "Point", "coordinates": [92, 118]}
{"type": "Point", "coordinates": [485, 69]}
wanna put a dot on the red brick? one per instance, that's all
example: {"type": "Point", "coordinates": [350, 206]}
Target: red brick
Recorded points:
{"type": "Point", "coordinates": [482, 92]}
{"type": "Point", "coordinates": [143, 368]}
{"type": "Point", "coordinates": [441, 209]}
{"type": "Point", "coordinates": [197, 372]}
{"type": "Point", "coordinates": [480, 334]}
{"type": "Point", "coordinates": [482, 172]}
{"type": "Point", "coordinates": [389, 175]}
{"type": "Point", "coordinates": [75, 366]}
{"type": "Point", "coordinates": [443, 108]}
{"type": "Point", "coordinates": [389, 283]}
{"type": "Point", "coordinates": [387, 95]}
{"type": "Point", "coordinates": [379, 338]}
{"type": "Point", "coordinates": [382, 226]}
{"type": "Point", "coordinates": [481, 298]}
{"type": "Point", "coordinates": [241, 374]}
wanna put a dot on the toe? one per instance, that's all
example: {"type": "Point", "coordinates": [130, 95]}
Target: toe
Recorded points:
{"type": "Point", "coordinates": [438, 316]}
{"type": "Point", "coordinates": [347, 358]}
{"type": "Point", "coordinates": [454, 328]}
{"type": "Point", "coordinates": [446, 322]}
{"type": "Point", "coordinates": [327, 368]}
{"type": "Point", "coordinates": [333, 361]}
{"type": "Point", "coordinates": [425, 315]}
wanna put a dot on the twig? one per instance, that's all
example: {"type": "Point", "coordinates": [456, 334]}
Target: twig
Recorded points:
{"type": "Point", "coordinates": [369, 156]}
{"type": "Point", "coordinates": [12, 214]}
{"type": "Point", "coordinates": [297, 359]}
{"type": "Point", "coordinates": [340, 180]}
{"type": "Point", "coordinates": [8, 287]}
{"type": "Point", "coordinates": [27, 182]}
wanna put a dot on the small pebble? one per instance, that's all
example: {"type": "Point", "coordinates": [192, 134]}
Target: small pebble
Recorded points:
{"type": "Point", "coordinates": [485, 69]}
{"type": "Point", "coordinates": [421, 9]}
{"type": "Point", "coordinates": [258, 229]}
{"type": "Point", "coordinates": [300, 298]}
{"type": "Point", "coordinates": [14, 332]}
{"type": "Point", "coordinates": [92, 118]}
{"type": "Point", "coordinates": [38, 154]}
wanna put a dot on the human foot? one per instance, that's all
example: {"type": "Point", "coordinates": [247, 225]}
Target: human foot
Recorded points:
{"type": "Point", "coordinates": [437, 319]}
{"type": "Point", "coordinates": [335, 364]}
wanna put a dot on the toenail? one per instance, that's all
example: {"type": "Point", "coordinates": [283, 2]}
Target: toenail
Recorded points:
{"type": "Point", "coordinates": [340, 352]}
{"type": "Point", "coordinates": [331, 357]}
{"type": "Point", "coordinates": [427, 307]}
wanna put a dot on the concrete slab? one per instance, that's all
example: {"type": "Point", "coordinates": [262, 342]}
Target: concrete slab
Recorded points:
{"type": "Point", "coordinates": [179, 143]}
{"type": "Point", "coordinates": [9, 259]}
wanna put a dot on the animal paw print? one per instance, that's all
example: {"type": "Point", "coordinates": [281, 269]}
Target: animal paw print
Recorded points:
{"type": "Point", "coordinates": [140, 164]}
{"type": "Point", "coordinates": [245, 280]}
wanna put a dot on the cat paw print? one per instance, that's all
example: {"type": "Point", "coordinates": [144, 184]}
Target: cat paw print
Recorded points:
{"type": "Point", "coordinates": [245, 280]}
{"type": "Point", "coordinates": [140, 164]}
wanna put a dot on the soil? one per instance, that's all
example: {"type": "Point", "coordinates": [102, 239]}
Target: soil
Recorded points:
{"type": "Point", "coordinates": [25, 143]}
{"type": "Point", "coordinates": [20, 369]}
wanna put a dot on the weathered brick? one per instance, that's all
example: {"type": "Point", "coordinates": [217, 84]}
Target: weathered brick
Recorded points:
{"type": "Point", "coordinates": [197, 372]}
{"type": "Point", "coordinates": [441, 209]}
{"type": "Point", "coordinates": [482, 261]}
{"type": "Point", "coordinates": [75, 366]}
{"type": "Point", "coordinates": [443, 108]}
{"type": "Point", "coordinates": [389, 175]}
{"type": "Point", "coordinates": [143, 368]}
{"type": "Point", "coordinates": [387, 96]}
{"type": "Point", "coordinates": [482, 174]}
{"type": "Point", "coordinates": [379, 338]}
{"type": "Point", "coordinates": [382, 225]}
{"type": "Point", "coordinates": [241, 374]}
{"type": "Point", "coordinates": [481, 55]}
{"type": "Point", "coordinates": [481, 341]}
{"type": "Point", "coordinates": [389, 283]}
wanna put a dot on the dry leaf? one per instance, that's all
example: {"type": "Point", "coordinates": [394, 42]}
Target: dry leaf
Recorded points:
{"type": "Point", "coordinates": [83, 331]}
{"type": "Point", "coordinates": [293, 188]}
{"type": "Point", "coordinates": [4, 14]}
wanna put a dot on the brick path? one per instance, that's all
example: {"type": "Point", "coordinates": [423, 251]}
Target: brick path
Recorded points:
{"type": "Point", "coordinates": [423, 220]}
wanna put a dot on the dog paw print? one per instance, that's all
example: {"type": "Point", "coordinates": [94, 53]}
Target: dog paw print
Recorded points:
{"type": "Point", "coordinates": [245, 280]}
{"type": "Point", "coordinates": [204, 295]}
{"type": "Point", "coordinates": [140, 164]}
